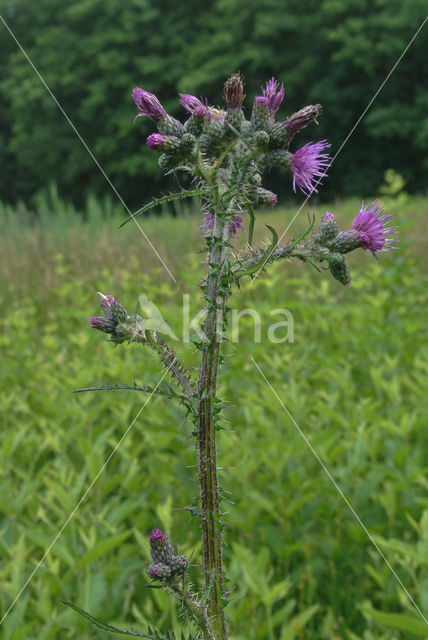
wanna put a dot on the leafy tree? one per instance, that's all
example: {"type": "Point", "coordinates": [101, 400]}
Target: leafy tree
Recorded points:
{"type": "Point", "coordinates": [92, 53]}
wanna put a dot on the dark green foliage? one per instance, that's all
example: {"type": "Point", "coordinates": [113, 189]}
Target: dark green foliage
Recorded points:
{"type": "Point", "coordinates": [93, 52]}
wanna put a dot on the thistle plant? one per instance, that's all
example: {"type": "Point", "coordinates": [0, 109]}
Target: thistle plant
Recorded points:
{"type": "Point", "coordinates": [226, 155]}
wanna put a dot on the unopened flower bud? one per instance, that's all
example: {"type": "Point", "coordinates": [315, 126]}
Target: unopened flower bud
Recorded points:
{"type": "Point", "coordinates": [161, 549]}
{"type": "Point", "coordinates": [260, 113]}
{"type": "Point", "coordinates": [107, 302]}
{"type": "Point", "coordinates": [301, 119]}
{"type": "Point", "coordinates": [328, 229]}
{"type": "Point", "coordinates": [187, 142]}
{"type": "Point", "coordinates": [148, 105]}
{"type": "Point", "coordinates": [100, 323]}
{"type": "Point", "coordinates": [339, 269]}
{"type": "Point", "coordinates": [159, 571]}
{"type": "Point", "coordinates": [278, 136]}
{"type": "Point", "coordinates": [234, 92]}
{"type": "Point", "coordinates": [261, 139]}
{"type": "Point", "coordinates": [170, 126]}
{"type": "Point", "coordinates": [159, 142]}
{"type": "Point", "coordinates": [213, 137]}
{"type": "Point", "coordinates": [264, 196]}
{"type": "Point", "coordinates": [193, 105]}
{"type": "Point", "coordinates": [179, 565]}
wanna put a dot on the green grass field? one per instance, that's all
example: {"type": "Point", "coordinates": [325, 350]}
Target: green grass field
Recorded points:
{"type": "Point", "coordinates": [355, 381]}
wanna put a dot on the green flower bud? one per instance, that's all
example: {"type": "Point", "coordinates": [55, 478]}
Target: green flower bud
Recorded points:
{"type": "Point", "coordinates": [278, 135]}
{"type": "Point", "coordinates": [261, 139]}
{"type": "Point", "coordinates": [327, 230]}
{"type": "Point", "coordinates": [260, 117]}
{"type": "Point", "coordinates": [213, 137]}
{"type": "Point", "coordinates": [339, 269]}
{"type": "Point", "coordinates": [170, 127]}
{"type": "Point", "coordinates": [159, 571]}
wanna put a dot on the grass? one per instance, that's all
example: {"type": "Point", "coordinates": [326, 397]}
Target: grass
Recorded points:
{"type": "Point", "coordinates": [354, 380]}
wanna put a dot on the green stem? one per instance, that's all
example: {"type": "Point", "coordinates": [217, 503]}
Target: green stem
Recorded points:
{"type": "Point", "coordinates": [193, 609]}
{"type": "Point", "coordinates": [207, 435]}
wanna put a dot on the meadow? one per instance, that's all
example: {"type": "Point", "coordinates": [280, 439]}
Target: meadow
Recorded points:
{"type": "Point", "coordinates": [354, 380]}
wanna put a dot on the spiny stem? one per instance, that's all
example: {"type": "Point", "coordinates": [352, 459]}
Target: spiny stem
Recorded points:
{"type": "Point", "coordinates": [207, 435]}
{"type": "Point", "coordinates": [193, 609]}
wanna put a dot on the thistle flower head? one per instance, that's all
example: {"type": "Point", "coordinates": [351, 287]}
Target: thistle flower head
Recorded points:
{"type": "Point", "coordinates": [161, 548]}
{"type": "Point", "coordinates": [159, 571]}
{"type": "Point", "coordinates": [107, 302]}
{"type": "Point", "coordinates": [193, 105]}
{"type": "Point", "coordinates": [261, 103]}
{"type": "Point", "coordinates": [371, 226]}
{"type": "Point", "coordinates": [328, 229]}
{"type": "Point", "coordinates": [156, 536]}
{"type": "Point", "coordinates": [309, 163]}
{"type": "Point", "coordinates": [275, 93]}
{"type": "Point", "coordinates": [97, 322]}
{"type": "Point", "coordinates": [301, 119]}
{"type": "Point", "coordinates": [157, 141]}
{"type": "Point", "coordinates": [328, 216]}
{"type": "Point", "coordinates": [266, 197]}
{"type": "Point", "coordinates": [233, 92]}
{"type": "Point", "coordinates": [148, 105]}
{"type": "Point", "coordinates": [180, 565]}
{"type": "Point", "coordinates": [339, 269]}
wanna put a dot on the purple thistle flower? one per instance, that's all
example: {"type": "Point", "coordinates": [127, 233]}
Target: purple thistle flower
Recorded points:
{"type": "Point", "coordinates": [193, 105]}
{"type": "Point", "coordinates": [157, 141]}
{"type": "Point", "coordinates": [275, 93]}
{"type": "Point", "coordinates": [270, 198]}
{"type": "Point", "coordinates": [97, 322]}
{"type": "Point", "coordinates": [157, 535]}
{"type": "Point", "coordinates": [370, 224]}
{"type": "Point", "coordinates": [261, 103]}
{"type": "Point", "coordinates": [107, 302]}
{"type": "Point", "coordinates": [159, 571]}
{"type": "Point", "coordinates": [153, 571]}
{"type": "Point", "coordinates": [301, 119]}
{"type": "Point", "coordinates": [328, 216]}
{"type": "Point", "coordinates": [148, 105]}
{"type": "Point", "coordinates": [309, 163]}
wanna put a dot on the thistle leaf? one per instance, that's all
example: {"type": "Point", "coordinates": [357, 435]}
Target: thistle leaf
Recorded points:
{"type": "Point", "coordinates": [105, 626]}
{"type": "Point", "coordinates": [158, 201]}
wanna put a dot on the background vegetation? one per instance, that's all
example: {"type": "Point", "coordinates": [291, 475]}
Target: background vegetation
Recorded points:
{"type": "Point", "coordinates": [93, 52]}
{"type": "Point", "coordinates": [355, 381]}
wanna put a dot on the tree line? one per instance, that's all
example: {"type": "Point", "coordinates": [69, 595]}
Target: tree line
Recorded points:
{"type": "Point", "coordinates": [91, 53]}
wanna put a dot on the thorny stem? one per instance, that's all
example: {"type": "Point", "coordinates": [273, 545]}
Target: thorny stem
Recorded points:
{"type": "Point", "coordinates": [193, 609]}
{"type": "Point", "coordinates": [207, 434]}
